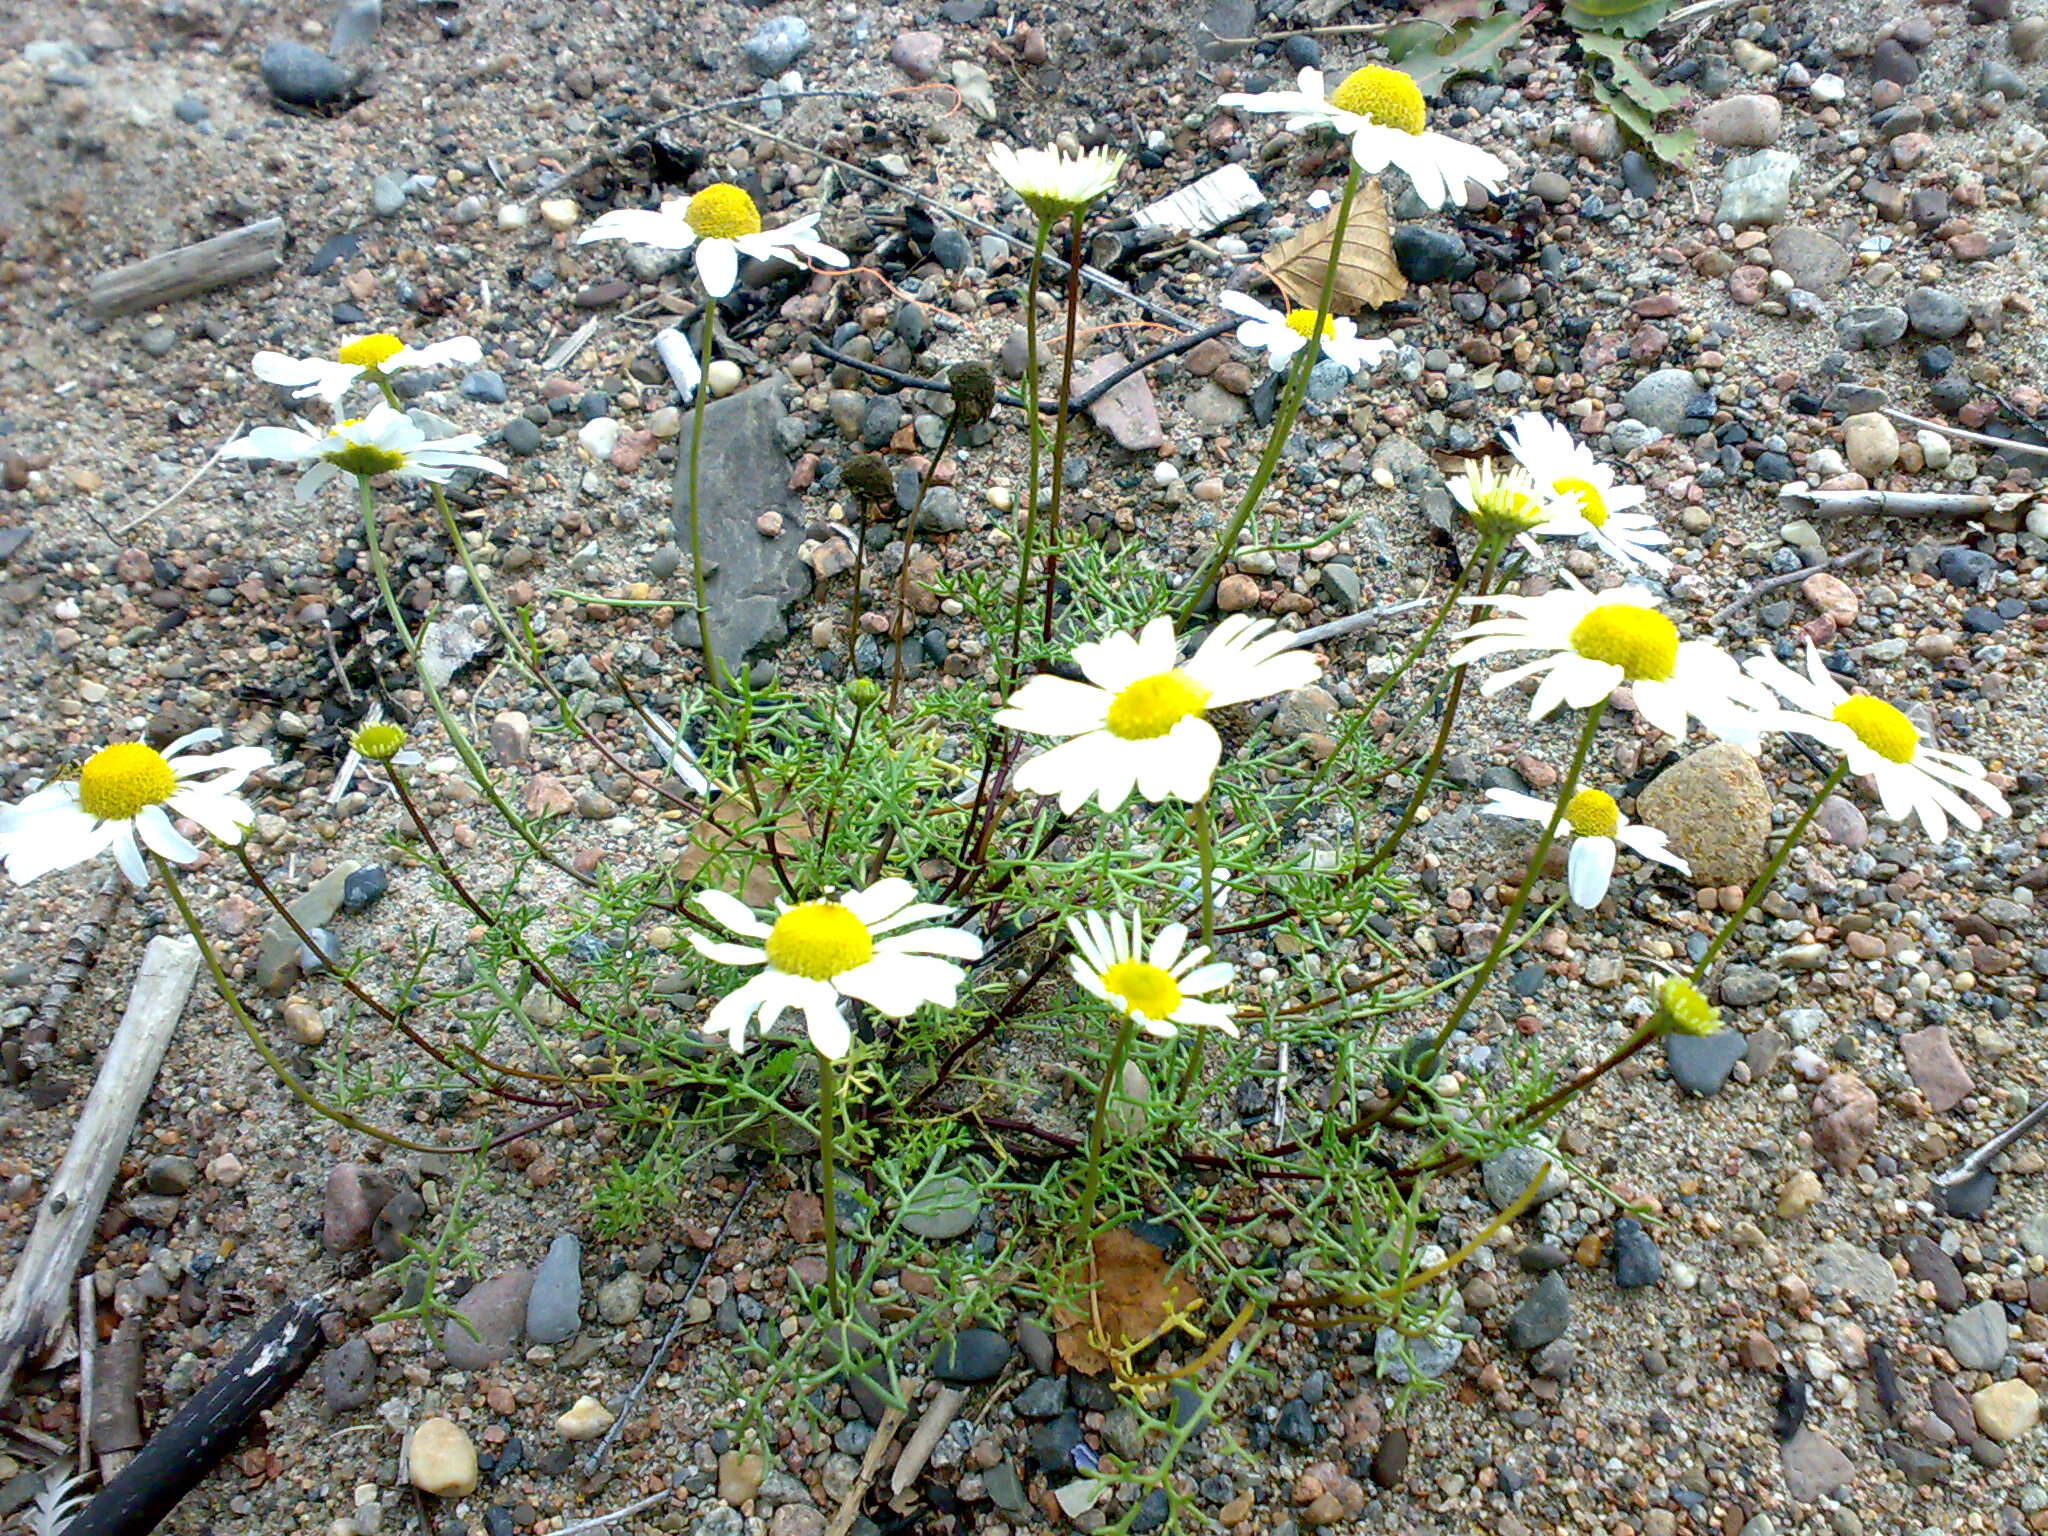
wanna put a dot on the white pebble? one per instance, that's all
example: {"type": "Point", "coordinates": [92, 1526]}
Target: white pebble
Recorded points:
{"type": "Point", "coordinates": [723, 377]}
{"type": "Point", "coordinates": [512, 216]}
{"type": "Point", "coordinates": [560, 212]}
{"type": "Point", "coordinates": [598, 438]}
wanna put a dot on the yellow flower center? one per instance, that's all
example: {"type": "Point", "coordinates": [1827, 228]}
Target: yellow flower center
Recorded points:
{"type": "Point", "coordinates": [371, 351]}
{"type": "Point", "coordinates": [1640, 641]}
{"type": "Point", "coordinates": [363, 459]}
{"type": "Point", "coordinates": [1593, 813]}
{"type": "Point", "coordinates": [1303, 323]}
{"type": "Point", "coordinates": [1386, 96]}
{"type": "Point", "coordinates": [1880, 727]}
{"type": "Point", "coordinates": [1684, 1010]}
{"type": "Point", "coordinates": [1592, 504]}
{"type": "Point", "coordinates": [818, 941]}
{"type": "Point", "coordinates": [723, 211]}
{"type": "Point", "coordinates": [1143, 989]}
{"type": "Point", "coordinates": [118, 781]}
{"type": "Point", "coordinates": [1502, 504]}
{"type": "Point", "coordinates": [1154, 705]}
{"type": "Point", "coordinates": [380, 743]}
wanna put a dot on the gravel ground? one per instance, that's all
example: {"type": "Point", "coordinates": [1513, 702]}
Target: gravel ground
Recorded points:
{"type": "Point", "coordinates": [1821, 1347]}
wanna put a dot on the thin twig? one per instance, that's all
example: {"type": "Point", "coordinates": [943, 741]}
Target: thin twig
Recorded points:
{"type": "Point", "coordinates": [668, 1342]}
{"type": "Point", "coordinates": [599, 1522]}
{"type": "Point", "coordinates": [1337, 628]}
{"type": "Point", "coordinates": [185, 485]}
{"type": "Point", "coordinates": [1961, 436]}
{"type": "Point", "coordinates": [1980, 1159]}
{"type": "Point", "coordinates": [1773, 583]}
{"type": "Point", "coordinates": [871, 1463]}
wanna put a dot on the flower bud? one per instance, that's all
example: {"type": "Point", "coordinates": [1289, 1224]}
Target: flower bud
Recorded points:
{"type": "Point", "coordinates": [379, 743]}
{"type": "Point", "coordinates": [974, 392]}
{"type": "Point", "coordinates": [1682, 1010]}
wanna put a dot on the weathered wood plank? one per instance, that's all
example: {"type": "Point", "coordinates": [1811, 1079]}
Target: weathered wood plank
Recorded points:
{"type": "Point", "coordinates": [249, 251]}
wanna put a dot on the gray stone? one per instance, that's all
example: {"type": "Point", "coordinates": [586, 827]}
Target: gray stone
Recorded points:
{"type": "Point", "coordinates": [1870, 327]}
{"type": "Point", "coordinates": [554, 1309]}
{"type": "Point", "coordinates": [1815, 262]}
{"type": "Point", "coordinates": [2033, 1234]}
{"type": "Point", "coordinates": [1401, 1359]}
{"type": "Point", "coordinates": [1341, 587]}
{"type": "Point", "coordinates": [1744, 986]}
{"type": "Point", "coordinates": [1814, 1466]}
{"type": "Point", "coordinates": [943, 1206]}
{"type": "Point", "coordinates": [1700, 1064]}
{"type": "Point", "coordinates": [1978, 1336]}
{"type": "Point", "coordinates": [1216, 409]}
{"type": "Point", "coordinates": [387, 195]}
{"type": "Point", "coordinates": [495, 1310]}
{"type": "Point", "coordinates": [300, 76]}
{"type": "Point", "coordinates": [1859, 1273]}
{"type": "Point", "coordinates": [1128, 412]}
{"type": "Point", "coordinates": [918, 54]}
{"type": "Point", "coordinates": [619, 1298]}
{"type": "Point", "coordinates": [1224, 26]}
{"type": "Point", "coordinates": [970, 1356]}
{"type": "Point", "coordinates": [776, 44]}
{"type": "Point", "coordinates": [1637, 1260]}
{"type": "Point", "coordinates": [1045, 1398]}
{"type": "Point", "coordinates": [348, 1375]}
{"type": "Point", "coordinates": [1508, 1172]}
{"type": "Point", "coordinates": [1660, 399]}
{"type": "Point", "coordinates": [1002, 1484]}
{"type": "Point", "coordinates": [451, 643]}
{"type": "Point", "coordinates": [752, 581]}
{"type": "Point", "coordinates": [1933, 313]}
{"type": "Point", "coordinates": [1544, 1314]}
{"type": "Point", "coordinates": [277, 954]}
{"type": "Point", "coordinates": [1935, 1268]}
{"type": "Point", "coordinates": [1757, 189]}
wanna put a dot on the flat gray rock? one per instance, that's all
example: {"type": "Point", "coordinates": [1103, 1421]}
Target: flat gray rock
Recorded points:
{"type": "Point", "coordinates": [751, 582]}
{"type": "Point", "coordinates": [495, 1309]}
{"type": "Point", "coordinates": [1978, 1336]}
{"type": "Point", "coordinates": [1860, 1273]}
{"type": "Point", "coordinates": [554, 1309]}
{"type": "Point", "coordinates": [277, 965]}
{"type": "Point", "coordinates": [1814, 1466]}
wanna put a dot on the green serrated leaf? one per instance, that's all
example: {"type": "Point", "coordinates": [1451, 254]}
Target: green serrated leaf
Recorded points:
{"type": "Point", "coordinates": [1469, 48]}
{"type": "Point", "coordinates": [1630, 77]}
{"type": "Point", "coordinates": [1623, 18]}
{"type": "Point", "coordinates": [1674, 148]}
{"type": "Point", "coordinates": [1412, 37]}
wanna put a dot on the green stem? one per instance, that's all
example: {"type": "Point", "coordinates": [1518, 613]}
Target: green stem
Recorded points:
{"type": "Point", "coordinates": [380, 569]}
{"type": "Point", "coordinates": [1205, 848]}
{"type": "Point", "coordinates": [285, 1075]}
{"type": "Point", "coordinates": [1793, 834]}
{"type": "Point", "coordinates": [828, 1167]}
{"type": "Point", "coordinates": [1028, 545]}
{"type": "Point", "coordinates": [1283, 420]}
{"type": "Point", "coordinates": [706, 340]}
{"type": "Point", "coordinates": [1098, 1125]}
{"type": "Point", "coordinates": [1059, 434]}
{"type": "Point", "coordinates": [1520, 904]}
{"type": "Point", "coordinates": [898, 625]}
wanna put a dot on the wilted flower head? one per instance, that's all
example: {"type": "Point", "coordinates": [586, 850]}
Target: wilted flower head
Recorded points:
{"type": "Point", "coordinates": [868, 478]}
{"type": "Point", "coordinates": [974, 392]}
{"type": "Point", "coordinates": [1683, 1010]}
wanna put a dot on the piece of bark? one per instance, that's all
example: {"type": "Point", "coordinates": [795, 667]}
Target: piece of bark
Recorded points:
{"type": "Point", "coordinates": [249, 251]}
{"type": "Point", "coordinates": [37, 1303]}
{"type": "Point", "coordinates": [26, 1052]}
{"type": "Point", "coordinates": [116, 1400]}
{"type": "Point", "coordinates": [200, 1435]}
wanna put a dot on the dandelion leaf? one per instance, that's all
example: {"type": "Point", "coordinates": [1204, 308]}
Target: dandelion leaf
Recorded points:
{"type": "Point", "coordinates": [1624, 18]}
{"type": "Point", "coordinates": [1630, 78]}
{"type": "Point", "coordinates": [1367, 275]}
{"type": "Point", "coordinates": [1437, 51]}
{"type": "Point", "coordinates": [1128, 1296]}
{"type": "Point", "coordinates": [1676, 147]}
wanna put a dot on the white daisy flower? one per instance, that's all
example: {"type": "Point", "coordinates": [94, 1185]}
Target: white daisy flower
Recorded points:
{"type": "Point", "coordinates": [122, 801]}
{"type": "Point", "coordinates": [374, 358]}
{"type": "Point", "coordinates": [1161, 987]}
{"type": "Point", "coordinates": [1381, 112]}
{"type": "Point", "coordinates": [1881, 744]}
{"type": "Point", "coordinates": [1596, 642]}
{"type": "Point", "coordinates": [817, 952]}
{"type": "Point", "coordinates": [1137, 722]}
{"type": "Point", "coordinates": [723, 224]}
{"type": "Point", "coordinates": [1597, 828]}
{"type": "Point", "coordinates": [1054, 183]}
{"type": "Point", "coordinates": [1499, 502]}
{"type": "Point", "coordinates": [385, 442]}
{"type": "Point", "coordinates": [1280, 336]}
{"type": "Point", "coordinates": [1584, 501]}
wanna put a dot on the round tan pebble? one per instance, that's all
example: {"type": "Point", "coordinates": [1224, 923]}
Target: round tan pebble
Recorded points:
{"type": "Point", "coordinates": [1800, 1194]}
{"type": "Point", "coordinates": [585, 1421]}
{"type": "Point", "coordinates": [769, 525]}
{"type": "Point", "coordinates": [303, 1021]}
{"type": "Point", "coordinates": [442, 1459]}
{"type": "Point", "coordinates": [1235, 593]}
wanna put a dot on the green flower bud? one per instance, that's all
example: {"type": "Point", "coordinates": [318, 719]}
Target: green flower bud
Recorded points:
{"type": "Point", "coordinates": [379, 743]}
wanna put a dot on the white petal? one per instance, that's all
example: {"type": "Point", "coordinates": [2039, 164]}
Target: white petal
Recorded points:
{"type": "Point", "coordinates": [1207, 978]}
{"type": "Point", "coordinates": [831, 1035]}
{"type": "Point", "coordinates": [51, 839]}
{"type": "Point", "coordinates": [279, 443]}
{"type": "Point", "coordinates": [642, 226]}
{"type": "Point", "coordinates": [1054, 706]}
{"type": "Point", "coordinates": [1244, 304]}
{"type": "Point", "coordinates": [193, 738]}
{"type": "Point", "coordinates": [730, 913]}
{"type": "Point", "coordinates": [1207, 1016]}
{"type": "Point", "coordinates": [127, 854]}
{"type": "Point", "coordinates": [718, 264]}
{"type": "Point", "coordinates": [880, 900]}
{"type": "Point", "coordinates": [898, 984]}
{"type": "Point", "coordinates": [1588, 868]}
{"type": "Point", "coordinates": [225, 818]}
{"type": "Point", "coordinates": [1179, 765]}
{"type": "Point", "coordinates": [726, 953]}
{"type": "Point", "coordinates": [1167, 945]}
{"type": "Point", "coordinates": [1512, 802]}
{"type": "Point", "coordinates": [932, 941]}
{"type": "Point", "coordinates": [161, 837]}
{"type": "Point", "coordinates": [1116, 661]}
{"type": "Point", "coordinates": [733, 1012]}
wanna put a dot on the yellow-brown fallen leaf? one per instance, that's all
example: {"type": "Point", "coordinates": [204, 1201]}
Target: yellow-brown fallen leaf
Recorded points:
{"type": "Point", "coordinates": [1367, 274]}
{"type": "Point", "coordinates": [1129, 1297]}
{"type": "Point", "coordinates": [734, 836]}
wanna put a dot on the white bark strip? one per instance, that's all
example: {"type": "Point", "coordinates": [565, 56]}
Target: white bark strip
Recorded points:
{"type": "Point", "coordinates": [37, 1303]}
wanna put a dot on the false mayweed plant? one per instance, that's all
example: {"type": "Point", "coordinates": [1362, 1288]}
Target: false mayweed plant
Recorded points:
{"type": "Point", "coordinates": [1081, 950]}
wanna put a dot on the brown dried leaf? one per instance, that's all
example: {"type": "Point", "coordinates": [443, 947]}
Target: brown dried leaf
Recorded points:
{"type": "Point", "coordinates": [734, 838]}
{"type": "Point", "coordinates": [1367, 275]}
{"type": "Point", "coordinates": [1131, 1296]}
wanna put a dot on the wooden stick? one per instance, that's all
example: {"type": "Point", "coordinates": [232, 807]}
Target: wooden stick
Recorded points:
{"type": "Point", "coordinates": [27, 1052]}
{"type": "Point", "coordinates": [1960, 435]}
{"type": "Point", "coordinates": [249, 251]}
{"type": "Point", "coordinates": [203, 1432]}
{"type": "Point", "coordinates": [1887, 503]}
{"type": "Point", "coordinates": [38, 1299]}
{"type": "Point", "coordinates": [116, 1417]}
{"type": "Point", "coordinates": [870, 1464]}
{"type": "Point", "coordinates": [945, 1408]}
{"type": "Point", "coordinates": [1352, 623]}
{"type": "Point", "coordinates": [1855, 557]}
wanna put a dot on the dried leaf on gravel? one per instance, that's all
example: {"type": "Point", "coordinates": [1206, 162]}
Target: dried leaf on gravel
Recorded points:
{"type": "Point", "coordinates": [1131, 1297]}
{"type": "Point", "coordinates": [1367, 275]}
{"type": "Point", "coordinates": [735, 837]}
